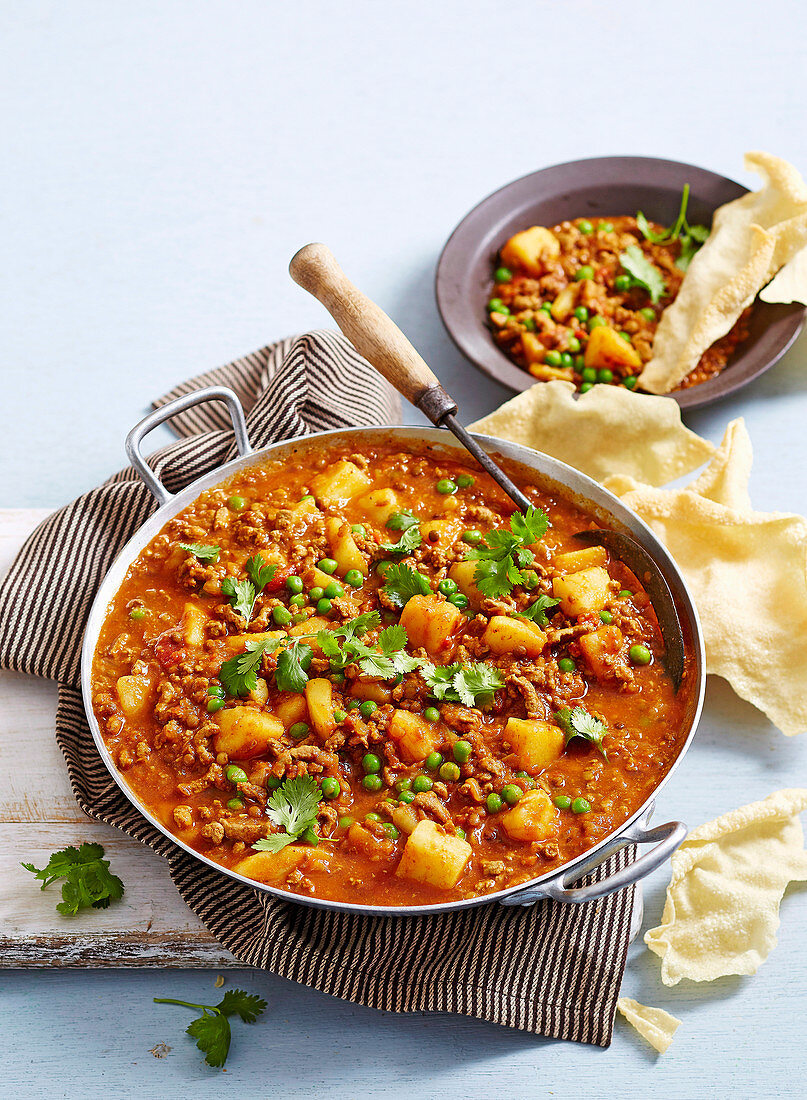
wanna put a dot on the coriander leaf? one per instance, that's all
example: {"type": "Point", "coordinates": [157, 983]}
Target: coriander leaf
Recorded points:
{"type": "Point", "coordinates": [392, 638]}
{"type": "Point", "coordinates": [530, 526]}
{"type": "Point", "coordinates": [476, 683]}
{"type": "Point", "coordinates": [538, 609]}
{"type": "Point", "coordinates": [377, 666]}
{"type": "Point", "coordinates": [402, 583]}
{"type": "Point", "coordinates": [648, 233]}
{"type": "Point", "coordinates": [497, 577]}
{"type": "Point", "coordinates": [293, 806]}
{"type": "Point", "coordinates": [259, 572]}
{"type": "Point", "coordinates": [401, 521]}
{"type": "Point", "coordinates": [361, 625]}
{"type": "Point", "coordinates": [504, 553]}
{"type": "Point", "coordinates": [410, 540]}
{"type": "Point", "coordinates": [89, 882]}
{"type": "Point", "coordinates": [579, 723]}
{"type": "Point", "coordinates": [274, 843]}
{"type": "Point", "coordinates": [236, 1002]}
{"type": "Point", "coordinates": [699, 233]}
{"type": "Point", "coordinates": [241, 595]}
{"type": "Point", "coordinates": [644, 273]}
{"type": "Point", "coordinates": [202, 553]}
{"type": "Point", "coordinates": [212, 1034]}
{"type": "Point", "coordinates": [239, 675]}
{"type": "Point", "coordinates": [328, 644]}
{"type": "Point", "coordinates": [291, 673]}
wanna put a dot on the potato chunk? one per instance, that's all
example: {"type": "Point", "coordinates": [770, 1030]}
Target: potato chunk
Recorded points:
{"type": "Point", "coordinates": [565, 302]}
{"type": "Point", "coordinates": [291, 708]}
{"type": "Point", "coordinates": [432, 857]}
{"type": "Point", "coordinates": [319, 697]}
{"type": "Point", "coordinates": [600, 648]}
{"type": "Point", "coordinates": [345, 552]}
{"type": "Point", "coordinates": [575, 560]}
{"type": "Point", "coordinates": [336, 485]}
{"type": "Point", "coordinates": [379, 505]}
{"type": "Point", "coordinates": [530, 248]}
{"type": "Point", "coordinates": [533, 817]}
{"type": "Point", "coordinates": [536, 744]}
{"type": "Point", "coordinates": [607, 349]}
{"type": "Point", "coordinates": [273, 867]}
{"type": "Point", "coordinates": [415, 737]}
{"type": "Point", "coordinates": [429, 622]}
{"type": "Point", "coordinates": [245, 732]}
{"type": "Point", "coordinates": [503, 634]}
{"type": "Point", "coordinates": [133, 694]}
{"type": "Point", "coordinates": [447, 531]}
{"type": "Point", "coordinates": [462, 573]}
{"type": "Point", "coordinates": [582, 592]}
{"type": "Point", "coordinates": [371, 689]}
{"type": "Point", "coordinates": [194, 621]}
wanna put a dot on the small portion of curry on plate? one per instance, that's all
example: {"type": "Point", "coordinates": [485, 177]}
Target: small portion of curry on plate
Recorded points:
{"type": "Point", "coordinates": [361, 676]}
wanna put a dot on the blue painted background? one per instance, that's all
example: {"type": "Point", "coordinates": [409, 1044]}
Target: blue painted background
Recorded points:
{"type": "Point", "coordinates": [162, 162]}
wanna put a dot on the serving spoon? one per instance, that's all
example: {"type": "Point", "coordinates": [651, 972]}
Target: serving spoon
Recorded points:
{"type": "Point", "coordinates": [376, 337]}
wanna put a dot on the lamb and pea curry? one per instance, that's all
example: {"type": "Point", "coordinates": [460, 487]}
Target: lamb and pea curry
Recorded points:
{"type": "Point", "coordinates": [361, 676]}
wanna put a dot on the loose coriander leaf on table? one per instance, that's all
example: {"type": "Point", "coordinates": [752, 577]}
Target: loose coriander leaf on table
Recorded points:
{"type": "Point", "coordinates": [200, 552]}
{"type": "Point", "coordinates": [211, 1029]}
{"type": "Point", "coordinates": [89, 882]}
{"type": "Point", "coordinates": [410, 540]}
{"type": "Point", "coordinates": [402, 583]}
{"type": "Point", "coordinates": [259, 572]}
{"type": "Point", "coordinates": [241, 595]}
{"type": "Point", "coordinates": [643, 272]}
{"type": "Point", "coordinates": [579, 723]}
{"type": "Point", "coordinates": [237, 1002]}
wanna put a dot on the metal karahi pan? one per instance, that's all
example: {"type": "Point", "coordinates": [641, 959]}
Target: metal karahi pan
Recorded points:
{"type": "Point", "coordinates": [543, 471]}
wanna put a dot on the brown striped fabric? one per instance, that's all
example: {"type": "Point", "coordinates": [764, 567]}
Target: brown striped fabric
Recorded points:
{"type": "Point", "coordinates": [551, 969]}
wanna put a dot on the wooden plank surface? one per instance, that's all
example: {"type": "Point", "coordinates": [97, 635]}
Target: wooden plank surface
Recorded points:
{"type": "Point", "coordinates": [151, 925]}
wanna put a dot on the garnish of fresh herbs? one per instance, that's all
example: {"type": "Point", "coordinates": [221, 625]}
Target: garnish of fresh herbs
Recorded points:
{"type": "Point", "coordinates": [201, 552]}
{"type": "Point", "coordinates": [402, 583]}
{"type": "Point", "coordinates": [504, 554]}
{"type": "Point", "coordinates": [643, 273]}
{"type": "Point", "coordinates": [211, 1030]}
{"type": "Point", "coordinates": [89, 882]}
{"type": "Point", "coordinates": [293, 808]}
{"type": "Point", "coordinates": [242, 593]}
{"type": "Point", "coordinates": [690, 236]}
{"type": "Point", "coordinates": [579, 723]}
{"type": "Point", "coordinates": [410, 540]}
{"type": "Point", "coordinates": [401, 521]}
{"type": "Point", "coordinates": [471, 684]}
{"type": "Point", "coordinates": [536, 611]}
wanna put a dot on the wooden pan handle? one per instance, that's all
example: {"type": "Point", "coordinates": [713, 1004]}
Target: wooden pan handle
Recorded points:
{"type": "Point", "coordinates": [369, 329]}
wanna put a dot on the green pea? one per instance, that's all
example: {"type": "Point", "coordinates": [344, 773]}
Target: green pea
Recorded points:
{"type": "Point", "coordinates": [579, 363]}
{"type": "Point", "coordinates": [431, 714]}
{"type": "Point", "coordinates": [300, 600]}
{"type": "Point", "coordinates": [137, 613]}
{"type": "Point", "coordinates": [626, 336]}
{"type": "Point", "coordinates": [323, 607]}
{"type": "Point", "coordinates": [606, 227]}
{"type": "Point", "coordinates": [574, 344]}
{"type": "Point", "coordinates": [465, 481]}
{"type": "Point", "coordinates": [331, 788]}
{"type": "Point", "coordinates": [273, 782]}
{"type": "Point", "coordinates": [214, 704]}
{"type": "Point", "coordinates": [511, 793]}
{"type": "Point", "coordinates": [493, 802]}
{"type": "Point", "coordinates": [433, 761]}
{"type": "Point", "coordinates": [445, 486]}
{"type": "Point", "coordinates": [390, 830]}
{"type": "Point", "coordinates": [562, 801]}
{"type": "Point", "coordinates": [552, 358]}
{"type": "Point", "coordinates": [294, 584]}
{"type": "Point", "coordinates": [368, 707]}
{"type": "Point", "coordinates": [622, 282]}
{"type": "Point", "coordinates": [504, 310]}
{"type": "Point", "coordinates": [298, 731]}
{"type": "Point", "coordinates": [606, 617]}
{"type": "Point", "coordinates": [216, 689]}
{"type": "Point", "coordinates": [354, 578]}
{"type": "Point", "coordinates": [281, 616]}
{"type": "Point", "coordinates": [372, 782]}
{"type": "Point", "coordinates": [545, 307]}
{"type": "Point", "coordinates": [382, 567]}
{"type": "Point", "coordinates": [503, 275]}
{"type": "Point", "coordinates": [630, 381]}
{"type": "Point", "coordinates": [581, 313]}
{"type": "Point", "coordinates": [566, 664]}
{"type": "Point", "coordinates": [605, 375]}
{"type": "Point", "coordinates": [529, 324]}
{"type": "Point", "coordinates": [372, 817]}
{"type": "Point", "coordinates": [351, 704]}
{"type": "Point", "coordinates": [447, 587]}
{"type": "Point", "coordinates": [584, 272]}
{"type": "Point", "coordinates": [300, 617]}
{"type": "Point", "coordinates": [585, 227]}
{"type": "Point", "coordinates": [236, 503]}
{"type": "Point", "coordinates": [472, 537]}
{"type": "Point", "coordinates": [371, 763]}
{"type": "Point", "coordinates": [338, 677]}
{"type": "Point", "coordinates": [496, 305]}
{"type": "Point", "coordinates": [403, 784]}
{"type": "Point", "coordinates": [589, 374]}
{"type": "Point", "coordinates": [581, 806]}
{"type": "Point", "coordinates": [586, 386]}
{"type": "Point", "coordinates": [327, 565]}
{"type": "Point", "coordinates": [648, 313]}
{"type": "Point", "coordinates": [406, 796]}
{"type": "Point", "coordinates": [358, 529]}
{"type": "Point", "coordinates": [530, 579]}
{"type": "Point", "coordinates": [459, 599]}
{"type": "Point", "coordinates": [346, 822]}
{"type": "Point", "coordinates": [461, 751]}
{"type": "Point", "coordinates": [566, 360]}
{"type": "Point", "coordinates": [459, 833]}
{"type": "Point", "coordinates": [596, 322]}
{"type": "Point", "coordinates": [334, 591]}
{"type": "Point", "coordinates": [339, 716]}
{"type": "Point", "coordinates": [625, 593]}
{"type": "Point", "coordinates": [421, 784]}
{"type": "Point", "coordinates": [640, 654]}
{"type": "Point", "coordinates": [316, 593]}
{"type": "Point", "coordinates": [235, 774]}
{"type": "Point", "coordinates": [235, 804]}
{"type": "Point", "coordinates": [449, 771]}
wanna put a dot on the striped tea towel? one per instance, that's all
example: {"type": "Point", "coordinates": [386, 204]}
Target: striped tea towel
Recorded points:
{"type": "Point", "coordinates": [551, 969]}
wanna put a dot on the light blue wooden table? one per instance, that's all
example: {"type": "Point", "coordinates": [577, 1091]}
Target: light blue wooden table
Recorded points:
{"type": "Point", "coordinates": [162, 163]}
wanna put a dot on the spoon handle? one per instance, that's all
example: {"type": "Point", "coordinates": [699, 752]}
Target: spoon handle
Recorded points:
{"type": "Point", "coordinates": [366, 325]}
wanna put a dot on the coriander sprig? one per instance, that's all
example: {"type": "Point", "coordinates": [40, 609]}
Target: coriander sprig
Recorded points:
{"type": "Point", "coordinates": [200, 551]}
{"type": "Point", "coordinates": [643, 272]}
{"type": "Point", "coordinates": [293, 808]}
{"type": "Point", "coordinates": [504, 554]}
{"type": "Point", "coordinates": [212, 1029]}
{"type": "Point", "coordinates": [243, 593]}
{"type": "Point", "coordinates": [472, 683]}
{"type": "Point", "coordinates": [537, 611]}
{"type": "Point", "coordinates": [89, 882]}
{"type": "Point", "coordinates": [690, 236]}
{"type": "Point", "coordinates": [579, 723]}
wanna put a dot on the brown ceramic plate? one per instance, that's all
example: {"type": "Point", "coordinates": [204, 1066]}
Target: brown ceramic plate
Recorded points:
{"type": "Point", "coordinates": [586, 188]}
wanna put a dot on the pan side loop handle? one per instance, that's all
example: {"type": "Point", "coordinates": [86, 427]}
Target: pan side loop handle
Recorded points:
{"type": "Point", "coordinates": [173, 408]}
{"type": "Point", "coordinates": [666, 839]}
